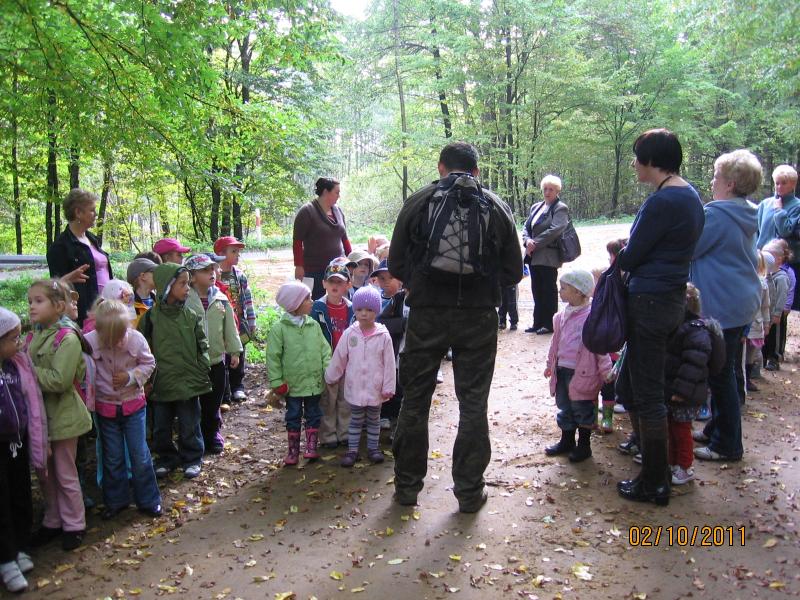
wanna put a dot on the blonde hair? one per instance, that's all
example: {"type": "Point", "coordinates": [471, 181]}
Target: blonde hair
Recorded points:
{"type": "Point", "coordinates": [111, 320]}
{"type": "Point", "coordinates": [550, 180]}
{"type": "Point", "coordinates": [786, 171]}
{"type": "Point", "coordinates": [762, 263]}
{"type": "Point", "coordinates": [741, 168]}
{"type": "Point", "coordinates": [693, 303]}
{"type": "Point", "coordinates": [77, 198]}
{"type": "Point", "coordinates": [779, 247]}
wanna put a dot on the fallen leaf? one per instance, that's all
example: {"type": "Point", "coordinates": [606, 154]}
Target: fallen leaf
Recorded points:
{"type": "Point", "coordinates": [777, 585]}
{"type": "Point", "coordinates": [293, 509]}
{"type": "Point", "coordinates": [640, 596]}
{"type": "Point", "coordinates": [40, 583]}
{"type": "Point", "coordinates": [285, 596]}
{"type": "Point", "coordinates": [250, 563]}
{"type": "Point", "coordinates": [698, 584]}
{"type": "Point", "coordinates": [389, 531]}
{"type": "Point", "coordinates": [256, 537]}
{"type": "Point", "coordinates": [581, 571]}
{"type": "Point", "coordinates": [480, 547]}
{"type": "Point", "coordinates": [135, 591]}
{"type": "Point", "coordinates": [416, 515]}
{"type": "Point", "coordinates": [64, 568]}
{"type": "Point", "coordinates": [337, 575]}
{"type": "Point", "coordinates": [395, 561]}
{"type": "Point", "coordinates": [771, 542]}
{"type": "Point", "coordinates": [170, 589]}
{"type": "Point", "coordinates": [455, 557]}
{"type": "Point", "coordinates": [436, 454]}
{"type": "Point", "coordinates": [357, 590]}
{"type": "Point", "coordinates": [263, 578]}
{"type": "Point", "coordinates": [453, 590]}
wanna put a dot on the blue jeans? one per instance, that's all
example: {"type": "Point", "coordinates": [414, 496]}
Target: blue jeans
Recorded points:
{"type": "Point", "coordinates": [190, 439]}
{"type": "Point", "coordinates": [116, 434]}
{"type": "Point", "coordinates": [298, 407]}
{"type": "Point", "coordinates": [651, 320]}
{"type": "Point", "coordinates": [572, 413]}
{"type": "Point", "coordinates": [724, 430]}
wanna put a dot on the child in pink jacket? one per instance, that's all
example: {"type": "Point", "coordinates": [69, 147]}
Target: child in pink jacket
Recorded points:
{"type": "Point", "coordinates": [576, 375]}
{"type": "Point", "coordinates": [365, 356]}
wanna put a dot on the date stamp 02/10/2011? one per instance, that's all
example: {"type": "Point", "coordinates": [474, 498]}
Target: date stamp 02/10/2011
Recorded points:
{"type": "Point", "coordinates": [701, 536]}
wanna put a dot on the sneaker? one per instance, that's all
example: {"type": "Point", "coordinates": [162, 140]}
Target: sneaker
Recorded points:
{"type": "Point", "coordinates": [699, 436]}
{"type": "Point", "coordinates": [239, 396]}
{"type": "Point", "coordinates": [501, 325]}
{"type": "Point", "coordinates": [386, 424]}
{"type": "Point", "coordinates": [70, 540]}
{"type": "Point", "coordinates": [214, 447]}
{"type": "Point", "coordinates": [349, 459]}
{"type": "Point", "coordinates": [13, 578]}
{"type": "Point", "coordinates": [109, 513]}
{"type": "Point", "coordinates": [619, 409]}
{"type": "Point", "coordinates": [629, 446]}
{"type": "Point", "coordinates": [513, 327]}
{"type": "Point", "coordinates": [439, 376]}
{"type": "Point", "coordinates": [772, 365]}
{"type": "Point", "coordinates": [154, 511]}
{"type": "Point", "coordinates": [475, 506]}
{"type": "Point", "coordinates": [706, 453]}
{"type": "Point", "coordinates": [25, 562]}
{"type": "Point", "coordinates": [531, 329]}
{"type": "Point", "coordinates": [544, 331]}
{"type": "Point", "coordinates": [681, 476]}
{"type": "Point", "coordinates": [162, 471]}
{"type": "Point", "coordinates": [192, 471]}
{"type": "Point", "coordinates": [704, 414]}
{"type": "Point", "coordinates": [375, 456]}
{"type": "Point", "coordinates": [637, 458]}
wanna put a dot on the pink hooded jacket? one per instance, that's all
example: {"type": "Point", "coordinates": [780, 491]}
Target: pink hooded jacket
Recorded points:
{"type": "Point", "coordinates": [367, 363]}
{"type": "Point", "coordinates": [38, 443]}
{"type": "Point", "coordinates": [591, 370]}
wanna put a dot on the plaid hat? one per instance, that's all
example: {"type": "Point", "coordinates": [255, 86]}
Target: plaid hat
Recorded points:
{"type": "Point", "coordinates": [383, 266]}
{"type": "Point", "coordinates": [337, 269]}
{"type": "Point", "coordinates": [367, 297]}
{"type": "Point", "coordinates": [139, 266]}
{"type": "Point", "coordinates": [198, 262]}
{"type": "Point", "coordinates": [227, 241]}
{"type": "Point", "coordinates": [356, 256]}
{"type": "Point", "coordinates": [169, 245]}
{"type": "Point", "coordinates": [291, 295]}
{"type": "Point", "coordinates": [581, 280]}
{"type": "Point", "coordinates": [8, 321]}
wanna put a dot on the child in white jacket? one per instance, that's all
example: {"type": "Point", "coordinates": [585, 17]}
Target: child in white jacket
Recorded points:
{"type": "Point", "coordinates": [364, 355]}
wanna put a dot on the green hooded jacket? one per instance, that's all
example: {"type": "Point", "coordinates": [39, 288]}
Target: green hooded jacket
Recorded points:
{"type": "Point", "coordinates": [297, 356]}
{"type": "Point", "coordinates": [219, 323]}
{"type": "Point", "coordinates": [178, 342]}
{"type": "Point", "coordinates": [57, 369]}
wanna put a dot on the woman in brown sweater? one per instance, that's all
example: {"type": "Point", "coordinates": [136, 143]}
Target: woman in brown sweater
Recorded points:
{"type": "Point", "coordinates": [320, 234]}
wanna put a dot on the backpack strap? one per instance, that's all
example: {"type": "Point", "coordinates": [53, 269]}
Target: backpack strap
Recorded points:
{"type": "Point", "coordinates": [61, 334]}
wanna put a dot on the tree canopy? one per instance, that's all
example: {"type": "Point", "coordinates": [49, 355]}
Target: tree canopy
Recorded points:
{"type": "Point", "coordinates": [186, 116]}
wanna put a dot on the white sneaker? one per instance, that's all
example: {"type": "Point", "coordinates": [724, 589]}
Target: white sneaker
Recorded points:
{"type": "Point", "coordinates": [439, 376]}
{"type": "Point", "coordinates": [699, 436]}
{"type": "Point", "coordinates": [681, 476]}
{"type": "Point", "coordinates": [24, 561]}
{"type": "Point", "coordinates": [239, 396]}
{"type": "Point", "coordinates": [13, 578]}
{"type": "Point", "coordinates": [619, 409]}
{"type": "Point", "coordinates": [192, 471]}
{"type": "Point", "coordinates": [638, 458]}
{"type": "Point", "coordinates": [386, 424]}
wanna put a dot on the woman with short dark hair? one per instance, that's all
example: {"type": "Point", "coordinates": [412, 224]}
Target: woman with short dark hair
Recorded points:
{"type": "Point", "coordinates": [320, 234]}
{"type": "Point", "coordinates": [657, 257]}
{"type": "Point", "coordinates": [75, 255]}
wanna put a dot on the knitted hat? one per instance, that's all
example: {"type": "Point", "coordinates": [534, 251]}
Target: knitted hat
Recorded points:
{"type": "Point", "coordinates": [139, 266]}
{"type": "Point", "coordinates": [367, 297]}
{"type": "Point", "coordinates": [8, 321]}
{"type": "Point", "coordinates": [581, 280]}
{"type": "Point", "coordinates": [291, 295]}
{"type": "Point", "coordinates": [114, 289]}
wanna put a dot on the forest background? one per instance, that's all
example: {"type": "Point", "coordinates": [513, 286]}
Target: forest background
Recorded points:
{"type": "Point", "coordinates": [185, 116]}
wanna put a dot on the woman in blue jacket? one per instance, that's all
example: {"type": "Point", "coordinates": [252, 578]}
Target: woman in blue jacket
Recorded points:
{"type": "Point", "coordinates": [725, 270]}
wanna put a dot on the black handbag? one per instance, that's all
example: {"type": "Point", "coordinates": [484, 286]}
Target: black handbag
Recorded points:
{"type": "Point", "coordinates": [605, 329]}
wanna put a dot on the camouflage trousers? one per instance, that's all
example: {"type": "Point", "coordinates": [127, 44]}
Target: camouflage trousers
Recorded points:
{"type": "Point", "coordinates": [472, 334]}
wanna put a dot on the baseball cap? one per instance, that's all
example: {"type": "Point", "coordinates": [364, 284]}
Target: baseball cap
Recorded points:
{"type": "Point", "coordinates": [215, 257]}
{"type": "Point", "coordinates": [383, 266]}
{"type": "Point", "coordinates": [337, 269]}
{"type": "Point", "coordinates": [356, 256]}
{"type": "Point", "coordinates": [165, 245]}
{"type": "Point", "coordinates": [198, 262]}
{"type": "Point", "coordinates": [227, 241]}
{"type": "Point", "coordinates": [137, 267]}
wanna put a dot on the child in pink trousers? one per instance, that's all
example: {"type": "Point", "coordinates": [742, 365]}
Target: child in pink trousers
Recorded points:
{"type": "Point", "coordinates": [365, 356]}
{"type": "Point", "coordinates": [576, 375]}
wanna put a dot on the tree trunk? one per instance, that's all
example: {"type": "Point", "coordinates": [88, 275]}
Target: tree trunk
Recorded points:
{"type": "Point", "coordinates": [74, 168]}
{"type": "Point", "coordinates": [236, 210]}
{"type": "Point", "coordinates": [216, 200]}
{"type": "Point", "coordinates": [437, 59]}
{"type": "Point", "coordinates": [162, 217]}
{"type": "Point", "coordinates": [509, 126]}
{"type": "Point", "coordinates": [226, 217]}
{"type": "Point", "coordinates": [15, 166]}
{"type": "Point", "coordinates": [401, 96]}
{"type": "Point", "coordinates": [246, 55]}
{"type": "Point", "coordinates": [108, 163]}
{"type": "Point", "coordinates": [52, 172]}
{"type": "Point", "coordinates": [615, 185]}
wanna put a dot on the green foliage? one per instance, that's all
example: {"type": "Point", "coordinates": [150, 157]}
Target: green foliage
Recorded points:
{"type": "Point", "coordinates": [14, 295]}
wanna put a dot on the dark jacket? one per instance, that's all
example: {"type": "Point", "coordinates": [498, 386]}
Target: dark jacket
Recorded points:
{"type": "Point", "coordinates": [320, 313]}
{"type": "Point", "coordinates": [662, 241]}
{"type": "Point", "coordinates": [394, 317]}
{"type": "Point", "coordinates": [65, 255]}
{"type": "Point", "coordinates": [686, 367]}
{"type": "Point", "coordinates": [422, 290]}
{"type": "Point", "coordinates": [546, 232]}
{"type": "Point", "coordinates": [178, 341]}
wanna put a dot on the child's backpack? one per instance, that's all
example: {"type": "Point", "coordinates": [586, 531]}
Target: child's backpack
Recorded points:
{"type": "Point", "coordinates": [456, 232]}
{"type": "Point", "coordinates": [86, 388]}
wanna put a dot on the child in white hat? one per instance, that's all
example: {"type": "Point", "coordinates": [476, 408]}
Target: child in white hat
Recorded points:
{"type": "Point", "coordinates": [297, 356]}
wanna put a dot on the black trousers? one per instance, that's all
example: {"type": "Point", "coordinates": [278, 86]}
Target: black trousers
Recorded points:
{"type": "Point", "coordinates": [508, 305]}
{"type": "Point", "coordinates": [545, 295]}
{"type": "Point", "coordinates": [210, 418]}
{"type": "Point", "coordinates": [16, 504]}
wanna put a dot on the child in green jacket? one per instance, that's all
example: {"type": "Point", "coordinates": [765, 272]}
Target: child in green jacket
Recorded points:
{"type": "Point", "coordinates": [178, 342]}
{"type": "Point", "coordinates": [219, 323]}
{"type": "Point", "coordinates": [297, 356]}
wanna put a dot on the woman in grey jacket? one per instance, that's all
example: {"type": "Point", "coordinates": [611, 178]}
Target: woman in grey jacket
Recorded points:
{"type": "Point", "coordinates": [543, 229]}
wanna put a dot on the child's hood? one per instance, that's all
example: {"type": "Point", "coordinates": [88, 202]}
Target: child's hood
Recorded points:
{"type": "Point", "coordinates": [164, 276]}
{"type": "Point", "coordinates": [380, 329]}
{"type": "Point", "coordinates": [739, 211]}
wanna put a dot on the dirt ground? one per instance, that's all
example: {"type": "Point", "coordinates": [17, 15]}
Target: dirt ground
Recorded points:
{"type": "Point", "coordinates": [248, 528]}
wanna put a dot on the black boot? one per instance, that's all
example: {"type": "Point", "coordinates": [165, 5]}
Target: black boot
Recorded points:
{"type": "Point", "coordinates": [748, 377]}
{"type": "Point", "coordinates": [565, 444]}
{"type": "Point", "coordinates": [653, 483]}
{"type": "Point", "coordinates": [584, 449]}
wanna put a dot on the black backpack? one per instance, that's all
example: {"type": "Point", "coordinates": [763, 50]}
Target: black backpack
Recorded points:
{"type": "Point", "coordinates": [456, 232]}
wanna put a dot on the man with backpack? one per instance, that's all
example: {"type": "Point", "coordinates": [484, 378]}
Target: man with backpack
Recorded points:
{"type": "Point", "coordinates": [454, 246]}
